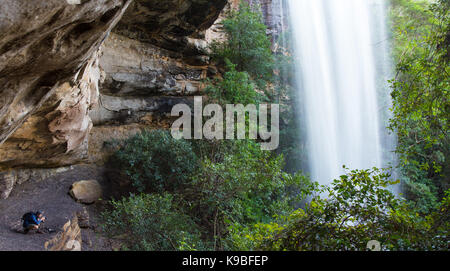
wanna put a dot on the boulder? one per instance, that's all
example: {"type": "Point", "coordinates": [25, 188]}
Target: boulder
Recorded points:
{"type": "Point", "coordinates": [86, 191]}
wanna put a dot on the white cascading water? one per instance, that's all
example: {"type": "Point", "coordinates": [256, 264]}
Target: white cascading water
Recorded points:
{"type": "Point", "coordinates": [338, 47]}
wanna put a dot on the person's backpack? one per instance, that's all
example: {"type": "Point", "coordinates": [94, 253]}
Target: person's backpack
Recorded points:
{"type": "Point", "coordinates": [27, 216]}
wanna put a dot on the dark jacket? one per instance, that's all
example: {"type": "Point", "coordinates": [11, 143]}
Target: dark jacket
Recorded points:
{"type": "Point", "coordinates": [31, 218]}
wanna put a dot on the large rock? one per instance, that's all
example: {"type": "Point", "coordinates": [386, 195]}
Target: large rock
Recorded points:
{"type": "Point", "coordinates": [168, 24]}
{"type": "Point", "coordinates": [133, 68]}
{"type": "Point", "coordinates": [57, 134]}
{"type": "Point", "coordinates": [86, 191]}
{"type": "Point", "coordinates": [49, 76]}
{"type": "Point", "coordinates": [44, 44]}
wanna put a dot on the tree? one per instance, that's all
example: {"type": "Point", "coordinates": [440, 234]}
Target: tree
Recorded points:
{"type": "Point", "coordinates": [247, 186]}
{"type": "Point", "coordinates": [151, 222]}
{"type": "Point", "coordinates": [421, 106]}
{"type": "Point", "coordinates": [358, 208]}
{"type": "Point", "coordinates": [156, 162]}
{"type": "Point", "coordinates": [235, 88]}
{"type": "Point", "coordinates": [247, 45]}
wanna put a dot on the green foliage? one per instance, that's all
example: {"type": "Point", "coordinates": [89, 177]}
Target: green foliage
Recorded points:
{"type": "Point", "coordinates": [247, 45]}
{"type": "Point", "coordinates": [235, 88]}
{"type": "Point", "coordinates": [411, 21]}
{"type": "Point", "coordinates": [235, 185]}
{"type": "Point", "coordinates": [247, 186]}
{"type": "Point", "coordinates": [420, 94]}
{"type": "Point", "coordinates": [151, 222]}
{"type": "Point", "coordinates": [292, 144]}
{"type": "Point", "coordinates": [292, 135]}
{"type": "Point", "coordinates": [156, 162]}
{"type": "Point", "coordinates": [358, 209]}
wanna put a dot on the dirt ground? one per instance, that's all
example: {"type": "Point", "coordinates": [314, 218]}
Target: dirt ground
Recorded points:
{"type": "Point", "coordinates": [51, 196]}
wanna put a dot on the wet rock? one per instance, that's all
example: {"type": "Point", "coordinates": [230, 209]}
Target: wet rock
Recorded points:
{"type": "Point", "coordinates": [273, 16]}
{"type": "Point", "coordinates": [126, 110]}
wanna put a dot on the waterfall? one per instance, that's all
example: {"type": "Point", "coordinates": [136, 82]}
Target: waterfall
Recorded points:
{"type": "Point", "coordinates": [342, 68]}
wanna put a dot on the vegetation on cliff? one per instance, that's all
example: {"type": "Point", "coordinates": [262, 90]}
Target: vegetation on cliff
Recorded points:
{"type": "Point", "coordinates": [421, 105]}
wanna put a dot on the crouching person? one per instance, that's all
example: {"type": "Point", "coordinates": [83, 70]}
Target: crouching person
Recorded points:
{"type": "Point", "coordinates": [32, 221]}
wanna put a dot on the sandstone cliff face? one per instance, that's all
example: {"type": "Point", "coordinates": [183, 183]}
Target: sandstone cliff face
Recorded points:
{"type": "Point", "coordinates": [42, 47]}
{"type": "Point", "coordinates": [155, 58]}
{"type": "Point", "coordinates": [170, 24]}
{"type": "Point", "coordinates": [78, 73]}
{"type": "Point", "coordinates": [56, 134]}
{"type": "Point", "coordinates": [273, 12]}
{"type": "Point", "coordinates": [47, 74]}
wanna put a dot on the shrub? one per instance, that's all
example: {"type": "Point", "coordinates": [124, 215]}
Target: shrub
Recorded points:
{"type": "Point", "coordinates": [420, 93]}
{"type": "Point", "coordinates": [359, 208]}
{"type": "Point", "coordinates": [156, 162]}
{"type": "Point", "coordinates": [151, 222]}
{"type": "Point", "coordinates": [236, 185]}
{"type": "Point", "coordinates": [247, 186]}
{"type": "Point", "coordinates": [235, 88]}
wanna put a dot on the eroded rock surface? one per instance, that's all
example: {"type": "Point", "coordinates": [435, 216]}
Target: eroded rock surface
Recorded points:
{"type": "Point", "coordinates": [77, 74]}
{"type": "Point", "coordinates": [57, 134]}
{"type": "Point", "coordinates": [69, 239]}
{"type": "Point", "coordinates": [147, 67]}
{"type": "Point", "coordinates": [170, 24]}
{"type": "Point", "coordinates": [50, 69]}
{"type": "Point", "coordinates": [134, 68]}
{"type": "Point", "coordinates": [42, 46]}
